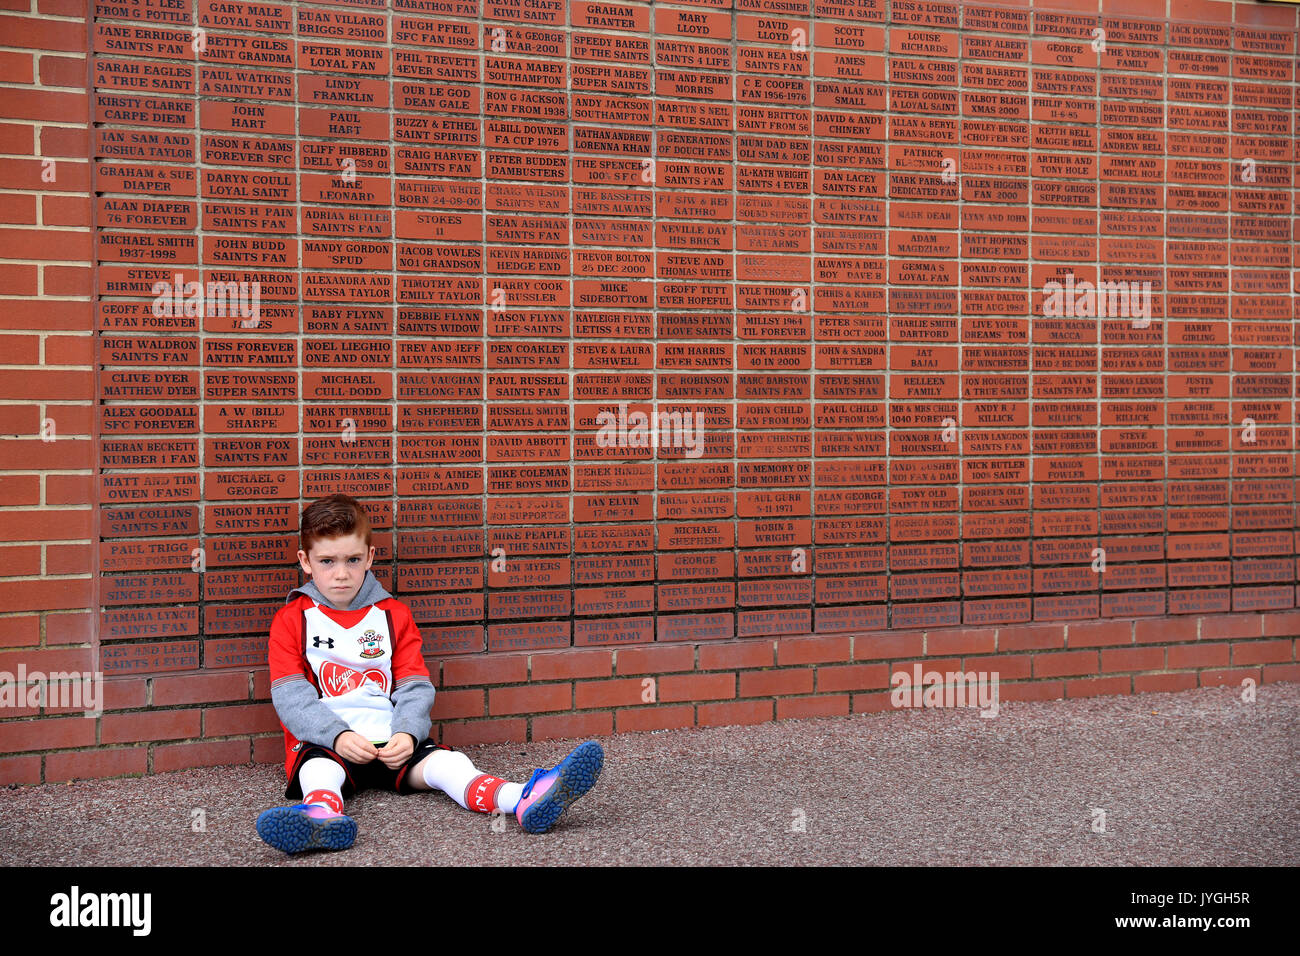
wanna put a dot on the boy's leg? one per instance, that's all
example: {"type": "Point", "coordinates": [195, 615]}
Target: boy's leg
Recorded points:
{"type": "Point", "coordinates": [537, 804]}
{"type": "Point", "coordinates": [434, 767]}
{"type": "Point", "coordinates": [321, 782]}
{"type": "Point", "coordinates": [320, 775]}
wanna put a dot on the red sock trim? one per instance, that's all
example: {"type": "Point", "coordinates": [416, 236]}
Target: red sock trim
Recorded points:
{"type": "Point", "coordinates": [327, 797]}
{"type": "Point", "coordinates": [481, 794]}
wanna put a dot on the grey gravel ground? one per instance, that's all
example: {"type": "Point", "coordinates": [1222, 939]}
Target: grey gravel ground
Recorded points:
{"type": "Point", "coordinates": [1198, 778]}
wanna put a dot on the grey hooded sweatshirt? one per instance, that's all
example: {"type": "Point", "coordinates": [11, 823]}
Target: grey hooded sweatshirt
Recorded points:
{"type": "Point", "coordinates": [309, 719]}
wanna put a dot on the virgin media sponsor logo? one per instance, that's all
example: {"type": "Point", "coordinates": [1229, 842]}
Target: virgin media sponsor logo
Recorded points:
{"type": "Point", "coordinates": [337, 680]}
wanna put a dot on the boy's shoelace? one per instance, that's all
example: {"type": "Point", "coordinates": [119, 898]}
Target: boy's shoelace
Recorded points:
{"type": "Point", "coordinates": [528, 787]}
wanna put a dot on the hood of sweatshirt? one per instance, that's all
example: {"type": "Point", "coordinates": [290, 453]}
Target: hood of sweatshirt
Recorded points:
{"type": "Point", "coordinates": [371, 592]}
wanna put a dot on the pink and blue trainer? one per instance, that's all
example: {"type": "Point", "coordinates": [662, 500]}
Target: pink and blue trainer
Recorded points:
{"type": "Point", "coordinates": [306, 826]}
{"type": "Point", "coordinates": [549, 793]}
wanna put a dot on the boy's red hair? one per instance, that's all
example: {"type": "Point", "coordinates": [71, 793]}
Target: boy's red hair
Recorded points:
{"type": "Point", "coordinates": [333, 516]}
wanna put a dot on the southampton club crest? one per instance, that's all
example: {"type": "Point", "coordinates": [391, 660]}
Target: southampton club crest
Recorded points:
{"type": "Point", "coordinates": [369, 642]}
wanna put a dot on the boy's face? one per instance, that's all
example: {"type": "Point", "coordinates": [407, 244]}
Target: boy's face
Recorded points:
{"type": "Point", "coordinates": [338, 566]}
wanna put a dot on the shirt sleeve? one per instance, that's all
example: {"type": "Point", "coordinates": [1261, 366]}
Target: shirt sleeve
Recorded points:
{"type": "Point", "coordinates": [413, 691]}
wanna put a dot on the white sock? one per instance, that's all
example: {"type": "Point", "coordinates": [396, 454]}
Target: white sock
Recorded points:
{"type": "Point", "coordinates": [508, 796]}
{"type": "Point", "coordinates": [452, 772]}
{"type": "Point", "coordinates": [321, 780]}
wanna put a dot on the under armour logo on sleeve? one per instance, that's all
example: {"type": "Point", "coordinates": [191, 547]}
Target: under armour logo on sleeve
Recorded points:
{"type": "Point", "coordinates": [327, 642]}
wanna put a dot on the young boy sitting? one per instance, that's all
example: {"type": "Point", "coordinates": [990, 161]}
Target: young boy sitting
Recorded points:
{"type": "Point", "coordinates": [349, 684]}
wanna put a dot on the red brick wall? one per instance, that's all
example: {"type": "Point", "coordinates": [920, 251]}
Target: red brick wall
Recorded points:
{"type": "Point", "coordinates": [831, 230]}
{"type": "Point", "coordinates": [47, 395]}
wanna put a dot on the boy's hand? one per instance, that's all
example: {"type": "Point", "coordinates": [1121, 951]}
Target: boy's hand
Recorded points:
{"type": "Point", "coordinates": [350, 745]}
{"type": "Point", "coordinates": [397, 751]}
